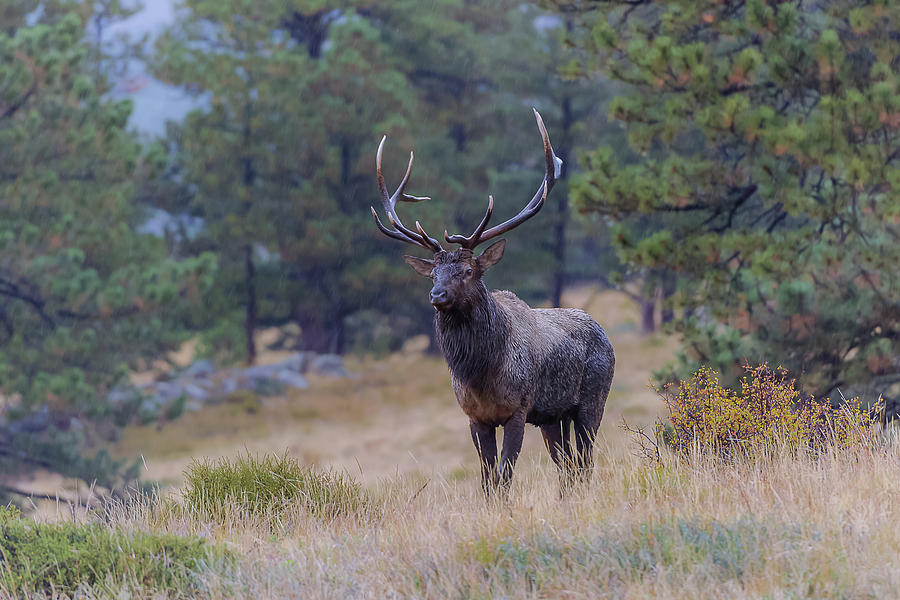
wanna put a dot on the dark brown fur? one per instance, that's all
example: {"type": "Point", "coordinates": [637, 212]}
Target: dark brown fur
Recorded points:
{"type": "Point", "coordinates": [511, 364]}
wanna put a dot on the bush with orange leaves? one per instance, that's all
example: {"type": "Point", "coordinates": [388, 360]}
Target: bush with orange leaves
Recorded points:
{"type": "Point", "coordinates": [768, 412]}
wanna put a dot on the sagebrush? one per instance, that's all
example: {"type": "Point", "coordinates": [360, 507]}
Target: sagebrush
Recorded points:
{"type": "Point", "coordinates": [767, 410]}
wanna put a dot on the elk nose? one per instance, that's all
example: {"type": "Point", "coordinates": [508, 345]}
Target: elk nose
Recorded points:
{"type": "Point", "coordinates": [438, 296]}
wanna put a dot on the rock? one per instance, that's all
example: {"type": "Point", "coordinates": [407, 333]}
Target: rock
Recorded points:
{"type": "Point", "coordinates": [228, 385]}
{"type": "Point", "coordinates": [120, 395]}
{"type": "Point", "coordinates": [331, 365]}
{"type": "Point", "coordinates": [152, 404]}
{"type": "Point", "coordinates": [200, 368]}
{"type": "Point", "coordinates": [196, 392]}
{"type": "Point", "coordinates": [292, 379]}
{"type": "Point", "coordinates": [168, 390]}
{"type": "Point", "coordinates": [298, 362]}
{"type": "Point", "coordinates": [259, 372]}
{"type": "Point", "coordinates": [207, 384]}
{"type": "Point", "coordinates": [193, 405]}
{"type": "Point", "coordinates": [34, 423]}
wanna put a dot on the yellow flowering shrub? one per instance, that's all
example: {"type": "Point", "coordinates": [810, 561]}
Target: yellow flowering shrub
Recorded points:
{"type": "Point", "coordinates": [768, 409]}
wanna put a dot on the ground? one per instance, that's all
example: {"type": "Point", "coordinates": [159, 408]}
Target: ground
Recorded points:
{"type": "Point", "coordinates": [398, 417]}
{"type": "Point", "coordinates": [785, 525]}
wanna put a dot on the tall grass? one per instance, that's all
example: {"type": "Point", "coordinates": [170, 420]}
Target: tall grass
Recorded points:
{"type": "Point", "coordinates": [268, 485]}
{"type": "Point", "coordinates": [784, 525]}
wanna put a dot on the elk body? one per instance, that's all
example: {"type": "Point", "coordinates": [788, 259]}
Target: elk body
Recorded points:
{"type": "Point", "coordinates": [510, 364]}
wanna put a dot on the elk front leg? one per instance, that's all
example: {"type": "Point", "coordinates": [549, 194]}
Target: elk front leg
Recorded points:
{"type": "Point", "coordinates": [513, 432]}
{"type": "Point", "coordinates": [485, 439]}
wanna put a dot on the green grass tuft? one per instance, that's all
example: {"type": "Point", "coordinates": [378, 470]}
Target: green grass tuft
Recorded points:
{"type": "Point", "coordinates": [266, 485]}
{"type": "Point", "coordinates": [54, 558]}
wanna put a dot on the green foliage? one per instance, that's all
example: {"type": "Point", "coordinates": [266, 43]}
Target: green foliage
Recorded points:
{"type": "Point", "coordinates": [280, 164]}
{"type": "Point", "coordinates": [83, 296]}
{"type": "Point", "coordinates": [269, 486]}
{"type": "Point", "coordinates": [767, 136]}
{"type": "Point", "coordinates": [54, 558]}
{"type": "Point", "coordinates": [767, 413]}
{"type": "Point", "coordinates": [281, 154]}
{"type": "Point", "coordinates": [711, 550]}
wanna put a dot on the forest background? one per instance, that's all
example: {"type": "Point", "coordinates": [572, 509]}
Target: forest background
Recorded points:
{"type": "Point", "coordinates": [731, 166]}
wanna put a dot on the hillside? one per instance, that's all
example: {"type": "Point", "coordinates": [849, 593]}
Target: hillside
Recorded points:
{"type": "Point", "coordinates": [398, 417]}
{"type": "Point", "coordinates": [782, 527]}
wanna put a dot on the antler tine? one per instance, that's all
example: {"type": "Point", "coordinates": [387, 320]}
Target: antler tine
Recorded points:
{"type": "Point", "coordinates": [551, 174]}
{"type": "Point", "coordinates": [400, 232]}
{"type": "Point", "coordinates": [472, 241]}
{"type": "Point", "coordinates": [386, 231]}
{"type": "Point", "coordinates": [385, 197]}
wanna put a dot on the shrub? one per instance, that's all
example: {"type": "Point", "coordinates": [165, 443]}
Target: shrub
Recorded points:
{"type": "Point", "coordinates": [767, 410]}
{"type": "Point", "coordinates": [51, 558]}
{"type": "Point", "coordinates": [271, 483]}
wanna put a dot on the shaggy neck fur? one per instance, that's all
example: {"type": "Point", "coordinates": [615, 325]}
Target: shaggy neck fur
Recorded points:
{"type": "Point", "coordinates": [473, 338]}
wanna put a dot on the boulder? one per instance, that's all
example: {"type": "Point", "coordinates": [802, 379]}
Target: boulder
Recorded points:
{"type": "Point", "coordinates": [259, 372]}
{"type": "Point", "coordinates": [200, 368]}
{"type": "Point", "coordinates": [36, 422]}
{"type": "Point", "coordinates": [168, 390]}
{"type": "Point", "coordinates": [121, 395]}
{"type": "Point", "coordinates": [298, 362]}
{"type": "Point", "coordinates": [331, 365]}
{"type": "Point", "coordinates": [292, 379]}
{"type": "Point", "coordinates": [196, 392]}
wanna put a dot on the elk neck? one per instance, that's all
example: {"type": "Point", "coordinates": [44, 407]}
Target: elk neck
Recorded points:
{"type": "Point", "coordinates": [473, 338]}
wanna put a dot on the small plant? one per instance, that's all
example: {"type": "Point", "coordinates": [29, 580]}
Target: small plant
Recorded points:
{"type": "Point", "coordinates": [271, 483]}
{"type": "Point", "coordinates": [55, 558]}
{"type": "Point", "coordinates": [767, 410]}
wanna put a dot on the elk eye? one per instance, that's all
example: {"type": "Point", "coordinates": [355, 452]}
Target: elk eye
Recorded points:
{"type": "Point", "coordinates": [468, 271]}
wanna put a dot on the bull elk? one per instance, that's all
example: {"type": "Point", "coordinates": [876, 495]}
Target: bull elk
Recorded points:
{"type": "Point", "coordinates": [509, 364]}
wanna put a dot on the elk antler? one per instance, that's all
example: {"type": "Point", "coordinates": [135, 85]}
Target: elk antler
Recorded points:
{"type": "Point", "coordinates": [418, 237]}
{"type": "Point", "coordinates": [551, 174]}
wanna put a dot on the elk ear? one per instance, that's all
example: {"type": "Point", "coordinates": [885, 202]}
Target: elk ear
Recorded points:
{"type": "Point", "coordinates": [492, 255]}
{"type": "Point", "coordinates": [422, 266]}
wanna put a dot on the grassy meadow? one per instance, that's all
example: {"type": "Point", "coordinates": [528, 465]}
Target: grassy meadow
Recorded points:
{"type": "Point", "coordinates": [377, 495]}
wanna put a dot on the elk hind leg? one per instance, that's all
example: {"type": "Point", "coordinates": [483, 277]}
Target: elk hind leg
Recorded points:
{"type": "Point", "coordinates": [556, 437]}
{"type": "Point", "coordinates": [585, 433]}
{"type": "Point", "coordinates": [592, 397]}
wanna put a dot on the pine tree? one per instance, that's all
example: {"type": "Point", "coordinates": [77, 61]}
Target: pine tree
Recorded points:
{"type": "Point", "coordinates": [278, 158]}
{"type": "Point", "coordinates": [83, 297]}
{"type": "Point", "coordinates": [768, 178]}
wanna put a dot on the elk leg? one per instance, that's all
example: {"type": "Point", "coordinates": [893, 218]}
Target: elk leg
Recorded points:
{"type": "Point", "coordinates": [584, 439]}
{"type": "Point", "coordinates": [485, 439]}
{"type": "Point", "coordinates": [556, 437]}
{"type": "Point", "coordinates": [513, 432]}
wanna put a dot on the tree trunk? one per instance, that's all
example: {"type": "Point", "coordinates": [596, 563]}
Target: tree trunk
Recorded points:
{"type": "Point", "coordinates": [340, 335]}
{"type": "Point", "coordinates": [648, 324]}
{"type": "Point", "coordinates": [250, 318]}
{"type": "Point", "coordinates": [315, 334]}
{"type": "Point", "coordinates": [669, 285]}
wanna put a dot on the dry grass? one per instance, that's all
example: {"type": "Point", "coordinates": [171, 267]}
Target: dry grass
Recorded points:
{"type": "Point", "coordinates": [780, 528]}
{"type": "Point", "coordinates": [398, 418]}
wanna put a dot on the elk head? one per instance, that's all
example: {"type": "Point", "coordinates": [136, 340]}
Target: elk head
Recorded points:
{"type": "Point", "coordinates": [456, 273]}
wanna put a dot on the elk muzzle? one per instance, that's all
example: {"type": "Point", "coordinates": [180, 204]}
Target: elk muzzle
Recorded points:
{"type": "Point", "coordinates": [439, 297]}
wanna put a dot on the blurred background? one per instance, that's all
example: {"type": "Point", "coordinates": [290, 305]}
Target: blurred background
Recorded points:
{"type": "Point", "coordinates": [189, 267]}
